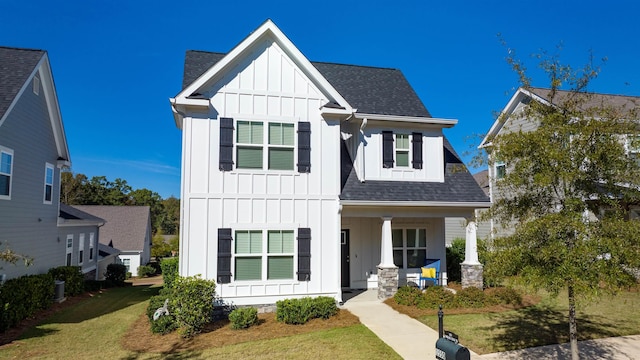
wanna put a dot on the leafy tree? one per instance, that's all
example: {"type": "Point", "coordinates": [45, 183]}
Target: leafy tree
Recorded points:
{"type": "Point", "coordinates": [561, 178]}
{"type": "Point", "coordinates": [171, 221]}
{"type": "Point", "coordinates": [9, 256]}
{"type": "Point", "coordinates": [174, 244]}
{"type": "Point", "coordinates": [159, 248]}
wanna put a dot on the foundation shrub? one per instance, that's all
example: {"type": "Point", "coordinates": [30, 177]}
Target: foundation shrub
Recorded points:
{"type": "Point", "coordinates": [169, 268]}
{"type": "Point", "coordinates": [166, 323]}
{"type": "Point", "coordinates": [192, 302]}
{"type": "Point", "coordinates": [434, 296]}
{"type": "Point", "coordinates": [504, 295]}
{"type": "Point", "coordinates": [116, 274]}
{"type": "Point", "coordinates": [23, 296]}
{"type": "Point", "coordinates": [324, 307]}
{"type": "Point", "coordinates": [243, 318]}
{"type": "Point", "coordinates": [408, 295]}
{"type": "Point", "coordinates": [72, 277]}
{"type": "Point", "coordinates": [299, 311]}
{"type": "Point", "coordinates": [146, 271]}
{"type": "Point", "coordinates": [471, 297]}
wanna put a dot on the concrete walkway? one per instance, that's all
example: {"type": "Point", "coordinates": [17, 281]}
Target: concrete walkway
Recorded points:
{"type": "Point", "coordinates": [412, 339]}
{"type": "Point", "coordinates": [408, 337]}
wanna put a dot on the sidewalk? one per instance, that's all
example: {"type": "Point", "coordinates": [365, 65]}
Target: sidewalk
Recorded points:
{"type": "Point", "coordinates": [408, 337]}
{"type": "Point", "coordinates": [413, 340]}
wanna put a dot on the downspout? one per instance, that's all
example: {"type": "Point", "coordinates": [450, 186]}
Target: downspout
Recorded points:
{"type": "Point", "coordinates": [360, 166]}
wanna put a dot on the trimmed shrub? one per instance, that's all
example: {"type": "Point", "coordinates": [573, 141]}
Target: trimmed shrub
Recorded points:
{"type": "Point", "coordinates": [146, 271]}
{"type": "Point", "coordinates": [434, 296]}
{"type": "Point", "coordinates": [408, 295]}
{"type": "Point", "coordinates": [72, 277]}
{"type": "Point", "coordinates": [23, 296]}
{"type": "Point", "coordinates": [169, 268]}
{"type": "Point", "coordinates": [299, 311]}
{"type": "Point", "coordinates": [166, 323]}
{"type": "Point", "coordinates": [455, 256]}
{"type": "Point", "coordinates": [471, 297]}
{"type": "Point", "coordinates": [504, 295]}
{"type": "Point", "coordinates": [192, 303]}
{"type": "Point", "coordinates": [116, 274]}
{"type": "Point", "coordinates": [243, 318]}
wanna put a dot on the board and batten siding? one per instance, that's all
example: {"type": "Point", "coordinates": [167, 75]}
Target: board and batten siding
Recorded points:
{"type": "Point", "coordinates": [28, 226]}
{"type": "Point", "coordinates": [265, 86]}
{"type": "Point", "coordinates": [432, 156]}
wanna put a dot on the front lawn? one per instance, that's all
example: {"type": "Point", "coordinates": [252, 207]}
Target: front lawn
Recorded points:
{"type": "Point", "coordinates": [112, 325]}
{"type": "Point", "coordinates": [486, 331]}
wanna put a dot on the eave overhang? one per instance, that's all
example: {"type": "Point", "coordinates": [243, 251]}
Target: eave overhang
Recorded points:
{"type": "Point", "coordinates": [444, 123]}
{"type": "Point", "coordinates": [434, 204]}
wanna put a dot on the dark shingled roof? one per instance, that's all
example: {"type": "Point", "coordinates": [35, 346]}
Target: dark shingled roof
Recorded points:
{"type": "Point", "coordinates": [71, 213]}
{"type": "Point", "coordinates": [371, 90]}
{"type": "Point", "coordinates": [125, 227]}
{"type": "Point", "coordinates": [15, 67]}
{"type": "Point", "coordinates": [458, 186]}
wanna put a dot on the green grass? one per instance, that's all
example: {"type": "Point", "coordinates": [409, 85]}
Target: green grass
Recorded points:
{"type": "Point", "coordinates": [93, 329]}
{"type": "Point", "coordinates": [545, 323]}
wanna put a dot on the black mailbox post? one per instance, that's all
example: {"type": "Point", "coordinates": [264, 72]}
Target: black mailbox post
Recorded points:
{"type": "Point", "coordinates": [447, 347]}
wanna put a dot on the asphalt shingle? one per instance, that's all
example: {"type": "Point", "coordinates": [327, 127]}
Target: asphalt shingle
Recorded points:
{"type": "Point", "coordinates": [125, 226]}
{"type": "Point", "coordinates": [15, 67]}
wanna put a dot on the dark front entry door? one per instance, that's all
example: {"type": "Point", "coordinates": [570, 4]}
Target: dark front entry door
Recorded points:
{"type": "Point", "coordinates": [344, 241]}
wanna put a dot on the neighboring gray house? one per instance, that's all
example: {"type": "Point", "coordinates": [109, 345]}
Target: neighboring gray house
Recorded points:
{"type": "Point", "coordinates": [127, 229]}
{"type": "Point", "coordinates": [455, 227]}
{"type": "Point", "coordinates": [33, 151]}
{"type": "Point", "coordinates": [106, 255]}
{"type": "Point", "coordinates": [80, 233]}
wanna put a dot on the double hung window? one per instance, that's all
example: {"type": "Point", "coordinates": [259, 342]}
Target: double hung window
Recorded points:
{"type": "Point", "coordinates": [409, 247]}
{"type": "Point", "coordinates": [48, 183]}
{"type": "Point", "coordinates": [402, 150]}
{"type": "Point", "coordinates": [69, 249]}
{"type": "Point", "coordinates": [264, 255]}
{"type": "Point", "coordinates": [251, 147]}
{"type": "Point", "coordinates": [6, 172]}
{"type": "Point", "coordinates": [500, 169]}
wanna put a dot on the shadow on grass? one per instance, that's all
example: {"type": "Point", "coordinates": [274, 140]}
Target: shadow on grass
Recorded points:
{"type": "Point", "coordinates": [172, 355]}
{"type": "Point", "coordinates": [543, 325]}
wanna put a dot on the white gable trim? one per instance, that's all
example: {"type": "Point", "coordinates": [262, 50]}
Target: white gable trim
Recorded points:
{"type": "Point", "coordinates": [519, 95]}
{"type": "Point", "coordinates": [267, 29]}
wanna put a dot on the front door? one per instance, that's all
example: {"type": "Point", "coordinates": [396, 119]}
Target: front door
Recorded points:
{"type": "Point", "coordinates": [344, 241]}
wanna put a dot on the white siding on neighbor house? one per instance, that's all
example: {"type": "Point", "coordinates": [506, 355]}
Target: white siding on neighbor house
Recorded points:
{"type": "Point", "coordinates": [456, 227]}
{"type": "Point", "coordinates": [364, 249]}
{"type": "Point", "coordinates": [265, 86]}
{"type": "Point", "coordinates": [88, 265]}
{"type": "Point", "coordinates": [134, 262]}
{"type": "Point", "coordinates": [432, 156]}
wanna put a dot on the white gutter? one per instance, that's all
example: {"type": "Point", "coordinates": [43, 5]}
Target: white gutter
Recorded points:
{"type": "Point", "coordinates": [474, 205]}
{"type": "Point", "coordinates": [411, 119]}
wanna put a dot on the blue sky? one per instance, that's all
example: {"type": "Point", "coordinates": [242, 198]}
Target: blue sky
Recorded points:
{"type": "Point", "coordinates": [116, 63]}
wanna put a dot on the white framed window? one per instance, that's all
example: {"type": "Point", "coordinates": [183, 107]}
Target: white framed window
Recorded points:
{"type": "Point", "coordinates": [127, 264]}
{"type": "Point", "coordinates": [81, 249]}
{"type": "Point", "coordinates": [500, 169]}
{"type": "Point", "coordinates": [69, 249]}
{"type": "Point", "coordinates": [264, 255]}
{"type": "Point", "coordinates": [48, 183]}
{"type": "Point", "coordinates": [92, 241]}
{"type": "Point", "coordinates": [6, 172]}
{"type": "Point", "coordinates": [251, 139]}
{"type": "Point", "coordinates": [402, 147]}
{"type": "Point", "coordinates": [633, 147]}
{"type": "Point", "coordinates": [409, 247]}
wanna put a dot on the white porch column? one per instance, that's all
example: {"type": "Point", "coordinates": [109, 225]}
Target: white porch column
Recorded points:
{"type": "Point", "coordinates": [386, 247]}
{"type": "Point", "coordinates": [471, 245]}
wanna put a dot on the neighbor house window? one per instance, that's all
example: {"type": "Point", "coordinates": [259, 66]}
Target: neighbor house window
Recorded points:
{"type": "Point", "coordinates": [500, 169]}
{"type": "Point", "coordinates": [48, 183]}
{"type": "Point", "coordinates": [6, 171]}
{"type": "Point", "coordinates": [633, 148]}
{"type": "Point", "coordinates": [92, 242]}
{"type": "Point", "coordinates": [127, 264]}
{"type": "Point", "coordinates": [402, 150]}
{"type": "Point", "coordinates": [409, 247]}
{"type": "Point", "coordinates": [69, 249]}
{"type": "Point", "coordinates": [81, 249]}
{"type": "Point", "coordinates": [261, 255]}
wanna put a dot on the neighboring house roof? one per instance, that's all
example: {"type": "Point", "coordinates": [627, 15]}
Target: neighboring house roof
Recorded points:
{"type": "Point", "coordinates": [458, 186]}
{"type": "Point", "coordinates": [126, 227]}
{"type": "Point", "coordinates": [482, 178]}
{"type": "Point", "coordinates": [106, 250]}
{"type": "Point", "coordinates": [68, 212]}
{"type": "Point", "coordinates": [591, 100]}
{"type": "Point", "coordinates": [17, 68]}
{"type": "Point", "coordinates": [371, 90]}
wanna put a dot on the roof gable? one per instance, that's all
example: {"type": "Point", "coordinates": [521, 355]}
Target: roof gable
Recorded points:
{"type": "Point", "coordinates": [17, 68]}
{"type": "Point", "coordinates": [267, 31]}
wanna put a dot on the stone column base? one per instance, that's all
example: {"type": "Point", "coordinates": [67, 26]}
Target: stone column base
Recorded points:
{"type": "Point", "coordinates": [387, 282]}
{"type": "Point", "coordinates": [471, 276]}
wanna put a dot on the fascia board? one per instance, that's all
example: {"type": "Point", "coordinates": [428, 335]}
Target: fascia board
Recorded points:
{"type": "Point", "coordinates": [471, 205]}
{"type": "Point", "coordinates": [506, 111]}
{"type": "Point", "coordinates": [266, 29]}
{"type": "Point", "coordinates": [48, 84]}
{"type": "Point", "coordinates": [445, 123]}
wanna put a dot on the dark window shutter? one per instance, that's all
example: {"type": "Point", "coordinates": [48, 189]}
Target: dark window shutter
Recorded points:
{"type": "Point", "coordinates": [226, 144]}
{"type": "Point", "coordinates": [224, 256]}
{"type": "Point", "coordinates": [304, 147]}
{"type": "Point", "coordinates": [304, 254]}
{"type": "Point", "coordinates": [416, 142]}
{"type": "Point", "coordinates": [387, 149]}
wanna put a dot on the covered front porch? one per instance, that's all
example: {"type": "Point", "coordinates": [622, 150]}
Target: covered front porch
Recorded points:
{"type": "Point", "coordinates": [384, 247]}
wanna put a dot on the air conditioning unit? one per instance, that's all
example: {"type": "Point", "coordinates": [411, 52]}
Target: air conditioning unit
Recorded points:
{"type": "Point", "coordinates": [59, 292]}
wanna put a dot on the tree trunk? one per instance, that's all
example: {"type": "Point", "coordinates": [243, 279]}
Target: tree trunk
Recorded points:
{"type": "Point", "coordinates": [573, 330]}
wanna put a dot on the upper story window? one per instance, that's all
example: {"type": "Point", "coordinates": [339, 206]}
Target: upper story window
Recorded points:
{"type": "Point", "coordinates": [397, 152]}
{"type": "Point", "coordinates": [69, 249]}
{"type": "Point", "coordinates": [633, 147]}
{"type": "Point", "coordinates": [264, 145]}
{"type": "Point", "coordinates": [6, 172]}
{"type": "Point", "coordinates": [48, 183]}
{"type": "Point", "coordinates": [402, 150]}
{"type": "Point", "coordinates": [500, 169]}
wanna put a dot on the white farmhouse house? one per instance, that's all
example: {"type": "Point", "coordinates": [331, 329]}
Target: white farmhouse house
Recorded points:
{"type": "Point", "coordinates": [307, 179]}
